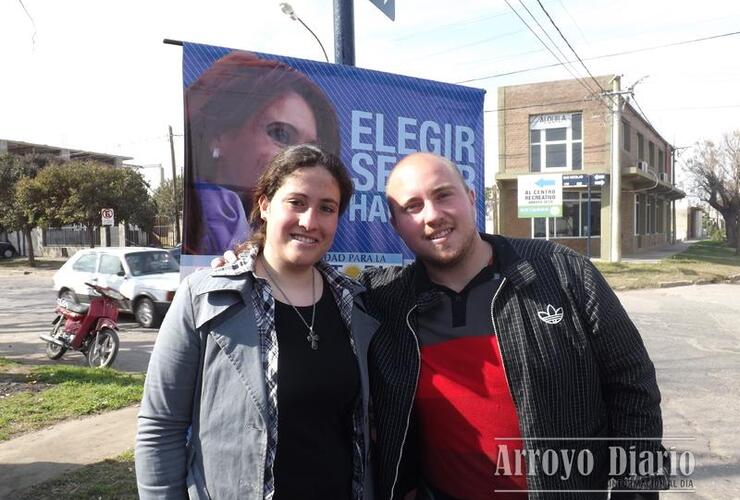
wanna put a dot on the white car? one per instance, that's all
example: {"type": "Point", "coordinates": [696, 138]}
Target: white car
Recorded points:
{"type": "Point", "coordinates": [147, 277]}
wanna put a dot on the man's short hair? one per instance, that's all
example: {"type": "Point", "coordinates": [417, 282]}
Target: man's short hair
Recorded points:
{"type": "Point", "coordinates": [442, 160]}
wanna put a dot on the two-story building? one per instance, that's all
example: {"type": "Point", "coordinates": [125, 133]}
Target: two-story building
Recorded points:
{"type": "Point", "coordinates": [560, 128]}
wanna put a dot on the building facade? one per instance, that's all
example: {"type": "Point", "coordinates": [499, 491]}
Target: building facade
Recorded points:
{"type": "Point", "coordinates": [560, 128]}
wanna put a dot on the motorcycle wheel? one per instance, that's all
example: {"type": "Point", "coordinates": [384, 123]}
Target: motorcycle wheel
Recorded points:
{"type": "Point", "coordinates": [103, 349]}
{"type": "Point", "coordinates": [54, 351]}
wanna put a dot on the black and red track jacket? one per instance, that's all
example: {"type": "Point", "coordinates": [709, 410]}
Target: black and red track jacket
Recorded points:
{"type": "Point", "coordinates": [588, 376]}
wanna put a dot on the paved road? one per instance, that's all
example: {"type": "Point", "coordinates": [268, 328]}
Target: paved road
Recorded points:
{"type": "Point", "coordinates": [692, 334]}
{"type": "Point", "coordinates": [27, 309]}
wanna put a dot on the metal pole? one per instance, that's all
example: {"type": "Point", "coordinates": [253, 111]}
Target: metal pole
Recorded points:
{"type": "Point", "coordinates": [344, 32]}
{"type": "Point", "coordinates": [174, 188]}
{"type": "Point", "coordinates": [615, 254]}
{"type": "Point", "coordinates": [588, 217]}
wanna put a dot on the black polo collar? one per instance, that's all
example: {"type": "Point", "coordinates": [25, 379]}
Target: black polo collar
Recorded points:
{"type": "Point", "coordinates": [506, 260]}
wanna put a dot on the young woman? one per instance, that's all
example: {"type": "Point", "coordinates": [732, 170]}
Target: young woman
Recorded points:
{"type": "Point", "coordinates": [257, 387]}
{"type": "Point", "coordinates": [240, 112]}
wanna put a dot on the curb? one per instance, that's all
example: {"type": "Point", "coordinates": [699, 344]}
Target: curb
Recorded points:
{"type": "Point", "coordinates": [671, 284]}
{"type": "Point", "coordinates": [735, 278]}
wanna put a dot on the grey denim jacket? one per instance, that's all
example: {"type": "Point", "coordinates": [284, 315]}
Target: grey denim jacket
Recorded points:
{"type": "Point", "coordinates": [204, 419]}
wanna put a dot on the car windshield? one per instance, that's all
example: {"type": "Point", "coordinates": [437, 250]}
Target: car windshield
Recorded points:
{"type": "Point", "coordinates": [142, 263]}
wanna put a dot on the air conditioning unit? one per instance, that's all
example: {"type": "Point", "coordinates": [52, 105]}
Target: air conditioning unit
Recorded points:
{"type": "Point", "coordinates": [664, 177]}
{"type": "Point", "coordinates": [642, 165]}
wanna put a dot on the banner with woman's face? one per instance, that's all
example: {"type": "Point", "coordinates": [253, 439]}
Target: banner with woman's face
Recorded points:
{"type": "Point", "coordinates": [241, 108]}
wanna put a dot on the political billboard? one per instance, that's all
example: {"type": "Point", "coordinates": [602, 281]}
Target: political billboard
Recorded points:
{"type": "Point", "coordinates": [242, 107]}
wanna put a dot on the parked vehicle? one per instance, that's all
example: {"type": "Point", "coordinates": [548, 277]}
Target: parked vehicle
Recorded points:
{"type": "Point", "coordinates": [176, 252]}
{"type": "Point", "coordinates": [91, 329]}
{"type": "Point", "coordinates": [148, 277]}
{"type": "Point", "coordinates": [7, 250]}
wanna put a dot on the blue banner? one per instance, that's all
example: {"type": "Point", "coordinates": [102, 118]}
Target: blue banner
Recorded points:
{"type": "Point", "coordinates": [371, 119]}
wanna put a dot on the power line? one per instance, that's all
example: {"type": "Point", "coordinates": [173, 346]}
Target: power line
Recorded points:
{"type": "Point", "coordinates": [562, 5]}
{"type": "Point", "coordinates": [614, 54]}
{"type": "Point", "coordinates": [470, 44]}
{"type": "Point", "coordinates": [33, 23]}
{"type": "Point", "coordinates": [553, 41]}
{"type": "Point", "coordinates": [511, 108]}
{"type": "Point", "coordinates": [570, 46]}
{"type": "Point", "coordinates": [590, 91]}
{"type": "Point", "coordinates": [634, 99]}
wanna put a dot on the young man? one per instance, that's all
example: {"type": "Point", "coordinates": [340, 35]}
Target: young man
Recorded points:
{"type": "Point", "coordinates": [502, 366]}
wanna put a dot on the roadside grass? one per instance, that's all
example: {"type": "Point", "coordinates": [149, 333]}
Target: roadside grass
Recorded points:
{"type": "Point", "coordinates": [706, 261]}
{"type": "Point", "coordinates": [65, 392]}
{"type": "Point", "coordinates": [111, 478]}
{"type": "Point", "coordinates": [21, 264]}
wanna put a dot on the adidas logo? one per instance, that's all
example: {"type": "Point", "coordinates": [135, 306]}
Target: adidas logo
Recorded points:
{"type": "Point", "coordinates": [551, 316]}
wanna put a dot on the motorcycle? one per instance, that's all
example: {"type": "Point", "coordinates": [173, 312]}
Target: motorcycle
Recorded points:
{"type": "Point", "coordinates": [91, 329]}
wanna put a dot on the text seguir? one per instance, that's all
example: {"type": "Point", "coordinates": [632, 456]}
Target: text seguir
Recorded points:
{"type": "Point", "coordinates": [373, 159]}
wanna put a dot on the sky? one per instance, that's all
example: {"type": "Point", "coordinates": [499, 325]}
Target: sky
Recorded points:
{"type": "Point", "coordinates": [95, 75]}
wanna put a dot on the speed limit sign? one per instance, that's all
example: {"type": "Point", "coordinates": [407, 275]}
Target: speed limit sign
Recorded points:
{"type": "Point", "coordinates": [107, 216]}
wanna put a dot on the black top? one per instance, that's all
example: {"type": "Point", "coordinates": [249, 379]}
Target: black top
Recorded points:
{"type": "Point", "coordinates": [317, 392]}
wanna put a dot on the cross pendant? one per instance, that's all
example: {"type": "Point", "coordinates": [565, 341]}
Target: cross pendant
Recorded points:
{"type": "Point", "coordinates": [313, 339]}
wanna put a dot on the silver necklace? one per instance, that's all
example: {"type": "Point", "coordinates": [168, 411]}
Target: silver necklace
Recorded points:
{"type": "Point", "coordinates": [312, 338]}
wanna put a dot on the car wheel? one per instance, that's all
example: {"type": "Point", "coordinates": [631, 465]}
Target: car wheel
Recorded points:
{"type": "Point", "coordinates": [8, 253]}
{"type": "Point", "coordinates": [69, 297]}
{"type": "Point", "coordinates": [145, 313]}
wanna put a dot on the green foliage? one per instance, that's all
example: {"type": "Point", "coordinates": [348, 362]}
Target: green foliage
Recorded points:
{"type": "Point", "coordinates": [74, 391]}
{"type": "Point", "coordinates": [164, 201]}
{"type": "Point", "coordinates": [14, 168]}
{"type": "Point", "coordinates": [716, 234]}
{"type": "Point", "coordinates": [75, 192]}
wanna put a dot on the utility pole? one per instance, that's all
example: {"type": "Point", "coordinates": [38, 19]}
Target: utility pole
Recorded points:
{"type": "Point", "coordinates": [344, 32]}
{"type": "Point", "coordinates": [615, 253]}
{"type": "Point", "coordinates": [174, 188]}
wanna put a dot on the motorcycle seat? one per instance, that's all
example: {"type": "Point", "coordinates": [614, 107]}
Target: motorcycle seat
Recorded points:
{"type": "Point", "coordinates": [76, 308]}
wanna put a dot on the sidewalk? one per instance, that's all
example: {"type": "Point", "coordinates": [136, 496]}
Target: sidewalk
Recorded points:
{"type": "Point", "coordinates": [654, 255]}
{"type": "Point", "coordinates": [39, 456]}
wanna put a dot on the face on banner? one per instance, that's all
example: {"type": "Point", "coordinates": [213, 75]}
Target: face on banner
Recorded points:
{"type": "Point", "coordinates": [242, 108]}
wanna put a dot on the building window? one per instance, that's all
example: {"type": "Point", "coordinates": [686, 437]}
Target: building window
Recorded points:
{"type": "Point", "coordinates": [661, 161]}
{"type": "Point", "coordinates": [650, 214]}
{"type": "Point", "coordinates": [660, 210]}
{"type": "Point", "coordinates": [626, 136]}
{"type": "Point", "coordinates": [640, 147]}
{"type": "Point", "coordinates": [651, 154]}
{"type": "Point", "coordinates": [574, 222]}
{"type": "Point", "coordinates": [555, 142]}
{"type": "Point", "coordinates": [636, 218]}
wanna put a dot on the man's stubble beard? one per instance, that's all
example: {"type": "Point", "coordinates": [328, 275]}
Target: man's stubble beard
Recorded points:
{"type": "Point", "coordinates": [453, 260]}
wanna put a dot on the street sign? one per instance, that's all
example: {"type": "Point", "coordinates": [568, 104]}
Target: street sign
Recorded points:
{"type": "Point", "coordinates": [599, 179]}
{"type": "Point", "coordinates": [387, 7]}
{"type": "Point", "coordinates": [540, 195]}
{"type": "Point", "coordinates": [582, 180]}
{"type": "Point", "coordinates": [107, 215]}
{"type": "Point", "coordinates": [575, 180]}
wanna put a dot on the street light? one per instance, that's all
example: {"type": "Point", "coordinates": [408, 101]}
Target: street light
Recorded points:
{"type": "Point", "coordinates": [288, 11]}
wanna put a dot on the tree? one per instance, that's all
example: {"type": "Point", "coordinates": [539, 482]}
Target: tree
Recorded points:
{"type": "Point", "coordinates": [715, 177]}
{"type": "Point", "coordinates": [14, 168]}
{"type": "Point", "coordinates": [75, 192]}
{"type": "Point", "coordinates": [164, 201]}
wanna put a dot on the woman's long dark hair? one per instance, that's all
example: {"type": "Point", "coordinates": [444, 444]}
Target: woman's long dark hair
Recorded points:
{"type": "Point", "coordinates": [281, 167]}
{"type": "Point", "coordinates": [231, 91]}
